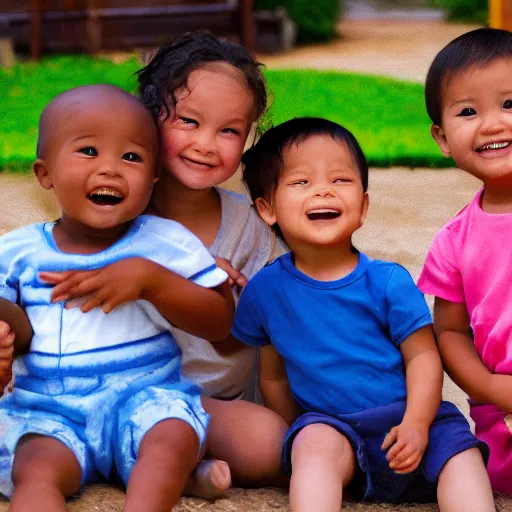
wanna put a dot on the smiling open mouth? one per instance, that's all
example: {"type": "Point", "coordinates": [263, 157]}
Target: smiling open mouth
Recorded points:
{"type": "Point", "coordinates": [323, 214]}
{"type": "Point", "coordinates": [493, 145]}
{"type": "Point", "coordinates": [105, 196]}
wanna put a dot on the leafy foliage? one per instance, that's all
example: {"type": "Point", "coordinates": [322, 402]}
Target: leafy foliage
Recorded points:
{"type": "Point", "coordinates": [464, 10]}
{"type": "Point", "coordinates": [316, 20]}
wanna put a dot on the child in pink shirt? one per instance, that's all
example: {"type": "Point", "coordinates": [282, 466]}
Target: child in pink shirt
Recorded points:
{"type": "Point", "coordinates": [468, 268]}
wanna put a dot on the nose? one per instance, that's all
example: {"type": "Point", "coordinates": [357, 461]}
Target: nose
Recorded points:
{"type": "Point", "coordinates": [492, 123]}
{"type": "Point", "coordinates": [204, 142]}
{"type": "Point", "coordinates": [324, 190]}
{"type": "Point", "coordinates": [107, 167]}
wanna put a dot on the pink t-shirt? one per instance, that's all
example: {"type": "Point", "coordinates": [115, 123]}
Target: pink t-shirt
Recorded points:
{"type": "Point", "coordinates": [471, 261]}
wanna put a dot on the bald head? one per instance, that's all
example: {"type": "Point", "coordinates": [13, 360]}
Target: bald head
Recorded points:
{"type": "Point", "coordinates": [105, 100]}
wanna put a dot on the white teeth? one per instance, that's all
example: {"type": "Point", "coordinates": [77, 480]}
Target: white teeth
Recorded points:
{"type": "Point", "coordinates": [323, 210]}
{"type": "Point", "coordinates": [495, 145]}
{"type": "Point", "coordinates": [106, 191]}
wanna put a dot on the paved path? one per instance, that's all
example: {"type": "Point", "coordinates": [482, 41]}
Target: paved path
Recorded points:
{"type": "Point", "coordinates": [398, 48]}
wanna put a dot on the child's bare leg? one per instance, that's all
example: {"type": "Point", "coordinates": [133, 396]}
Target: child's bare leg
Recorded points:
{"type": "Point", "coordinates": [464, 484]}
{"type": "Point", "coordinates": [44, 472]}
{"type": "Point", "coordinates": [249, 438]}
{"type": "Point", "coordinates": [167, 455]}
{"type": "Point", "coordinates": [323, 463]}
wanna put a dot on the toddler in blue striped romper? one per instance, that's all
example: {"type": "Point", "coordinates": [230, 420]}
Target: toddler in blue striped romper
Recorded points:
{"type": "Point", "coordinates": [99, 389]}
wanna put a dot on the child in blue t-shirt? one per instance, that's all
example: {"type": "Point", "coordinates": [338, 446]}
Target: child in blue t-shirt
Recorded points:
{"type": "Point", "coordinates": [347, 351]}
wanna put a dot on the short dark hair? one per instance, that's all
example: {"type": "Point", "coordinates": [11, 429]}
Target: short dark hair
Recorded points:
{"type": "Point", "coordinates": [171, 66]}
{"type": "Point", "coordinates": [479, 47]}
{"type": "Point", "coordinates": [264, 161]}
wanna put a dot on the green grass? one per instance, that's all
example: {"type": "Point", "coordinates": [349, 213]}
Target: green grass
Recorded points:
{"type": "Point", "coordinates": [387, 116]}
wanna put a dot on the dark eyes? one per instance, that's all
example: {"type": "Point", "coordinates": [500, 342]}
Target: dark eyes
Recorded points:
{"type": "Point", "coordinates": [337, 180]}
{"type": "Point", "coordinates": [188, 120]}
{"type": "Point", "coordinates": [132, 157]}
{"type": "Point", "coordinates": [466, 112]}
{"type": "Point", "coordinates": [89, 151]}
{"type": "Point", "coordinates": [231, 130]}
{"type": "Point", "coordinates": [192, 122]}
{"type": "Point", "coordinates": [129, 157]}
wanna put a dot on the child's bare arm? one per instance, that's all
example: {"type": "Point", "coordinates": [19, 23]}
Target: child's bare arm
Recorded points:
{"type": "Point", "coordinates": [461, 360]}
{"type": "Point", "coordinates": [236, 278]}
{"type": "Point", "coordinates": [424, 376]}
{"type": "Point", "coordinates": [15, 335]}
{"type": "Point", "coordinates": [203, 312]}
{"type": "Point", "coordinates": [6, 355]}
{"type": "Point", "coordinates": [274, 385]}
{"type": "Point", "coordinates": [17, 320]}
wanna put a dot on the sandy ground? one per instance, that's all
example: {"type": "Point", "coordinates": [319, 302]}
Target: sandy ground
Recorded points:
{"type": "Point", "coordinates": [407, 207]}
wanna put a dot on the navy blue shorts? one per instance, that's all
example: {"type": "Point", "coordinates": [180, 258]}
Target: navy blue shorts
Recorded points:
{"type": "Point", "coordinates": [374, 480]}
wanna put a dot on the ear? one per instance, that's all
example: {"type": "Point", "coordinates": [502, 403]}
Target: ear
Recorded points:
{"type": "Point", "coordinates": [364, 209]}
{"type": "Point", "coordinates": [440, 137]}
{"type": "Point", "coordinates": [43, 176]}
{"type": "Point", "coordinates": [265, 210]}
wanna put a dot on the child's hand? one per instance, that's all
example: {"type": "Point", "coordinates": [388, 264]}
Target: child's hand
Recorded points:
{"type": "Point", "coordinates": [108, 287]}
{"type": "Point", "coordinates": [406, 443]}
{"type": "Point", "coordinates": [235, 278]}
{"type": "Point", "coordinates": [6, 355]}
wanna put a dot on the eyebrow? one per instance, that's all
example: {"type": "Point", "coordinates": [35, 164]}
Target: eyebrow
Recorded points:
{"type": "Point", "coordinates": [186, 111]}
{"type": "Point", "coordinates": [135, 143]}
{"type": "Point", "coordinates": [83, 137]}
{"type": "Point", "coordinates": [304, 168]}
{"type": "Point", "coordinates": [237, 120]}
{"type": "Point", "coordinates": [466, 100]}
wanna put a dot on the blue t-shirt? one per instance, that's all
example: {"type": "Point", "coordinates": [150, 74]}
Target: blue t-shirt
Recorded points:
{"type": "Point", "coordinates": [339, 339]}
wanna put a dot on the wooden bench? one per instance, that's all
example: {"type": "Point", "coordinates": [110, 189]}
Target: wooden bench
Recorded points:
{"type": "Point", "coordinates": [94, 25]}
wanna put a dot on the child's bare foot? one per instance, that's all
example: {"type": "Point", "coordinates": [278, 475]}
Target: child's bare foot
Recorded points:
{"type": "Point", "coordinates": [210, 480]}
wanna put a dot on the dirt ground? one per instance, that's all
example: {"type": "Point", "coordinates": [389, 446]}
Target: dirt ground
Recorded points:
{"type": "Point", "coordinates": [407, 207]}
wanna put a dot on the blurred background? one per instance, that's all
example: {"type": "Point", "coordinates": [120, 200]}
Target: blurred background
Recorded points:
{"type": "Point", "coordinates": [358, 62]}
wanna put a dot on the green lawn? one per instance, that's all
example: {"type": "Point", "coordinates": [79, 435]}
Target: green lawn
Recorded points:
{"type": "Point", "coordinates": [387, 116]}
